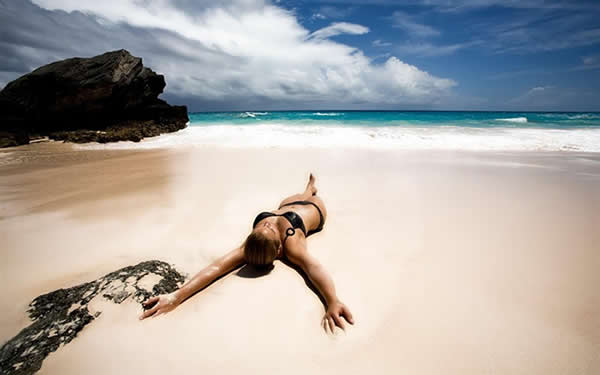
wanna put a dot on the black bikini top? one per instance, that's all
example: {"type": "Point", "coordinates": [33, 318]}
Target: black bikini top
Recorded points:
{"type": "Point", "coordinates": [291, 216]}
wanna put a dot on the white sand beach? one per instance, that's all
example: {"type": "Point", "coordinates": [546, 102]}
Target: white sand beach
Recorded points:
{"type": "Point", "coordinates": [451, 262]}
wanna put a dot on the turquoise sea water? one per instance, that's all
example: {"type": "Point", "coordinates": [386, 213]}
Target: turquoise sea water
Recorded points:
{"type": "Point", "coordinates": [546, 120]}
{"type": "Point", "coordinates": [471, 131]}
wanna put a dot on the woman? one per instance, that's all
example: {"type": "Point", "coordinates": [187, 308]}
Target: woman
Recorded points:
{"type": "Point", "coordinates": [280, 234]}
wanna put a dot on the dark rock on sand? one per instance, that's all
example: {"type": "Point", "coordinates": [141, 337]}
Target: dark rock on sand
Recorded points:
{"type": "Point", "coordinates": [58, 316]}
{"type": "Point", "coordinates": [106, 98]}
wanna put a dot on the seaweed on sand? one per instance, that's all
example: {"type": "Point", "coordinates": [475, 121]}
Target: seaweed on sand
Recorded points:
{"type": "Point", "coordinates": [58, 316]}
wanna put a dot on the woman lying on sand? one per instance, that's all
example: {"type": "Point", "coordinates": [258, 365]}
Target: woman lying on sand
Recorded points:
{"type": "Point", "coordinates": [280, 234]}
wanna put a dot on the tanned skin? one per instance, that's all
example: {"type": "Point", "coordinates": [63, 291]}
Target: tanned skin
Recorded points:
{"type": "Point", "coordinates": [294, 249]}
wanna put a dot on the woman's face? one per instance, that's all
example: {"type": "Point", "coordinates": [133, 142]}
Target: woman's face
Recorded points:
{"type": "Point", "coordinates": [267, 229]}
{"type": "Point", "coordinates": [270, 231]}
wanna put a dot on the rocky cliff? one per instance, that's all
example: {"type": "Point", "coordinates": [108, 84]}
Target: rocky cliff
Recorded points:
{"type": "Point", "coordinates": [106, 98]}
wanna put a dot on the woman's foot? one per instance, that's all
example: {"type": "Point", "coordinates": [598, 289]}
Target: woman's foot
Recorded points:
{"type": "Point", "coordinates": [310, 187]}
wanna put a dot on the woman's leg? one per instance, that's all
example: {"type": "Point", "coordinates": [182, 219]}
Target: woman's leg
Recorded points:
{"type": "Point", "coordinates": [314, 198]}
{"type": "Point", "coordinates": [308, 192]}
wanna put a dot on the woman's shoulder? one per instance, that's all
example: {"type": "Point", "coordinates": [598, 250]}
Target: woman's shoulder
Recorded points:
{"type": "Point", "coordinates": [295, 242]}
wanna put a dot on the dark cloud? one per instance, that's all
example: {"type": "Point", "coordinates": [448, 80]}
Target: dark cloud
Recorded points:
{"type": "Point", "coordinates": [36, 36]}
{"type": "Point", "coordinates": [33, 36]}
{"type": "Point", "coordinates": [10, 62]}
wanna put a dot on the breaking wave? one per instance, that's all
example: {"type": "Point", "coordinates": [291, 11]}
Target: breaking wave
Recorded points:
{"type": "Point", "coordinates": [286, 135]}
{"type": "Point", "coordinates": [326, 114]}
{"type": "Point", "coordinates": [520, 120]}
{"type": "Point", "coordinates": [253, 114]}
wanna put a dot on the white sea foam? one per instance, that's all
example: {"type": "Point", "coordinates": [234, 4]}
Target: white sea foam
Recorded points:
{"type": "Point", "coordinates": [253, 114]}
{"type": "Point", "coordinates": [520, 120]}
{"type": "Point", "coordinates": [584, 116]}
{"type": "Point", "coordinates": [401, 138]}
{"type": "Point", "coordinates": [326, 114]}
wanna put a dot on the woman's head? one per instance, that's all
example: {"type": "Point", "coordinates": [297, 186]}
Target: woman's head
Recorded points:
{"type": "Point", "coordinates": [261, 248]}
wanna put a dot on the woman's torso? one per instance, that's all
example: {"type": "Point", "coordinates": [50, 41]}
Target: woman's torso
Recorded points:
{"type": "Point", "coordinates": [307, 212]}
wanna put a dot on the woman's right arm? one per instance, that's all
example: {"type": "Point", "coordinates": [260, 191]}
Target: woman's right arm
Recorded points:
{"type": "Point", "coordinates": [167, 302]}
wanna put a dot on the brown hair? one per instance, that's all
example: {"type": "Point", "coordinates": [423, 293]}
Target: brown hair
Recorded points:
{"type": "Point", "coordinates": [260, 250]}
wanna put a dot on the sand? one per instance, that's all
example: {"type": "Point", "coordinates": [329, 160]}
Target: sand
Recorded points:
{"type": "Point", "coordinates": [451, 262]}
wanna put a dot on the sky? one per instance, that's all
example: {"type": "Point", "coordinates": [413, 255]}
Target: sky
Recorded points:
{"type": "Point", "coordinates": [527, 55]}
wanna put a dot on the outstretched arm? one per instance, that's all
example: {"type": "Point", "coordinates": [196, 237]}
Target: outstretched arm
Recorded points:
{"type": "Point", "coordinates": [298, 254]}
{"type": "Point", "coordinates": [167, 302]}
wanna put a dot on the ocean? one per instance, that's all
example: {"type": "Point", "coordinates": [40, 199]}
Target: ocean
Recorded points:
{"type": "Point", "coordinates": [477, 131]}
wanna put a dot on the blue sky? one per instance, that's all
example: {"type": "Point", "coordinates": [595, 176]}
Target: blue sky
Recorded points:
{"type": "Point", "coordinates": [500, 55]}
{"type": "Point", "coordinates": [296, 54]}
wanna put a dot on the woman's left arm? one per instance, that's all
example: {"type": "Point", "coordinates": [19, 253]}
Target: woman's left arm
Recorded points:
{"type": "Point", "coordinates": [166, 302]}
{"type": "Point", "coordinates": [297, 253]}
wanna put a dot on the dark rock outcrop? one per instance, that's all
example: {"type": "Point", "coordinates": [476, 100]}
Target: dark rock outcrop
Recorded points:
{"type": "Point", "coordinates": [60, 315]}
{"type": "Point", "coordinates": [105, 98]}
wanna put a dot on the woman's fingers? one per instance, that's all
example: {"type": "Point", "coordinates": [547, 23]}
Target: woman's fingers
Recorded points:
{"type": "Point", "coordinates": [331, 320]}
{"type": "Point", "coordinates": [149, 312]}
{"type": "Point", "coordinates": [339, 322]}
{"type": "Point", "coordinates": [150, 301]}
{"type": "Point", "coordinates": [348, 315]}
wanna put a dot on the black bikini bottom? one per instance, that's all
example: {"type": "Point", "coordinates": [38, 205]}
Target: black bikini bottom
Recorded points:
{"type": "Point", "coordinates": [321, 220]}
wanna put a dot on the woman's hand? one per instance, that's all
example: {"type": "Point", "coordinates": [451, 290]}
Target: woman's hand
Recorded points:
{"type": "Point", "coordinates": [334, 314]}
{"type": "Point", "coordinates": [162, 304]}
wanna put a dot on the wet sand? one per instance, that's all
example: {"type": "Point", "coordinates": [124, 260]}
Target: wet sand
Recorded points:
{"type": "Point", "coordinates": [451, 262]}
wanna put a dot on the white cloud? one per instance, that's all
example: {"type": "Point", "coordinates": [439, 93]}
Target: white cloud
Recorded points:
{"type": "Point", "coordinates": [539, 89]}
{"type": "Point", "coordinates": [588, 63]}
{"type": "Point", "coordinates": [414, 82]}
{"type": "Point", "coordinates": [247, 49]}
{"type": "Point", "coordinates": [328, 11]}
{"type": "Point", "coordinates": [379, 43]}
{"type": "Point", "coordinates": [428, 49]}
{"type": "Point", "coordinates": [404, 21]}
{"type": "Point", "coordinates": [338, 28]}
{"type": "Point", "coordinates": [591, 60]}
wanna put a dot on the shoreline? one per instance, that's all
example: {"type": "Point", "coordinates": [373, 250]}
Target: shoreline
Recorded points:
{"type": "Point", "coordinates": [41, 150]}
{"type": "Point", "coordinates": [43, 158]}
